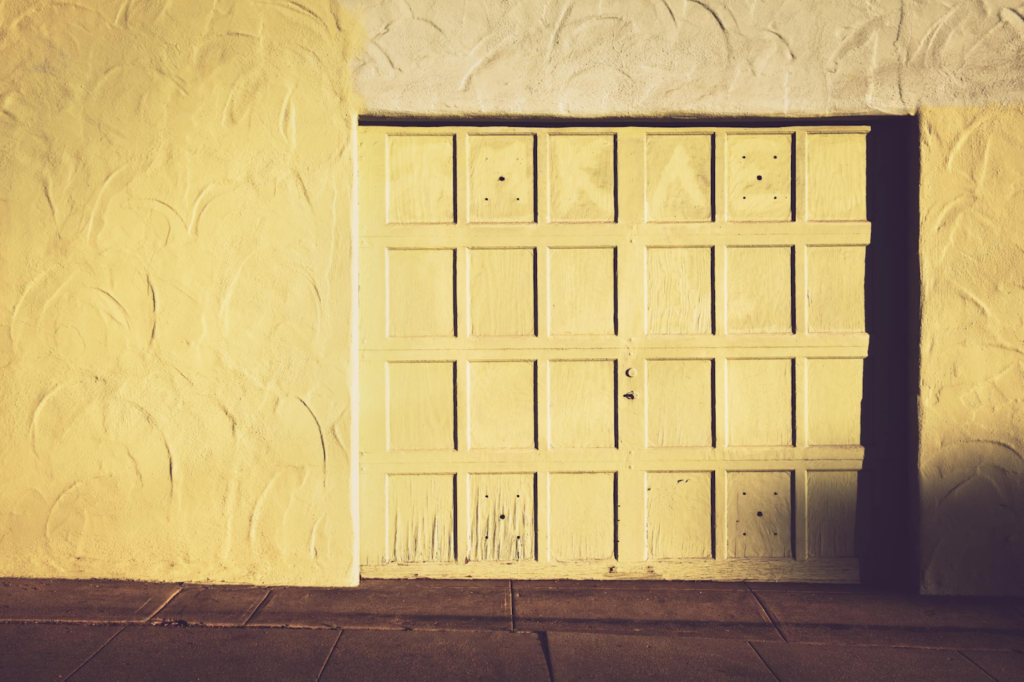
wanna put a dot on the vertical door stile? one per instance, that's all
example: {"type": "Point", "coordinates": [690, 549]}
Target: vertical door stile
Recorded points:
{"type": "Point", "coordinates": [542, 274]}
{"type": "Point", "coordinates": [629, 379]}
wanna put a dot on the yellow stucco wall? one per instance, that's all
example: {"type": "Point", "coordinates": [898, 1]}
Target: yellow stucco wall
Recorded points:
{"type": "Point", "coordinates": [686, 58]}
{"type": "Point", "coordinates": [971, 405]}
{"type": "Point", "coordinates": [176, 297]}
{"type": "Point", "coordinates": [175, 248]}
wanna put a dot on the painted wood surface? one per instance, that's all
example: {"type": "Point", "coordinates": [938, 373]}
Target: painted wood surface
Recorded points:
{"type": "Point", "coordinates": [835, 289]}
{"type": "Point", "coordinates": [421, 412]}
{"type": "Point", "coordinates": [582, 177]}
{"type": "Point", "coordinates": [679, 291]}
{"type": "Point", "coordinates": [679, 513]}
{"type": "Point", "coordinates": [760, 514]}
{"type": "Point", "coordinates": [421, 298]}
{"type": "Point", "coordinates": [836, 177]}
{"type": "Point", "coordinates": [760, 398]}
{"type": "Point", "coordinates": [420, 185]}
{"type": "Point", "coordinates": [679, 403]}
{"type": "Point", "coordinates": [502, 405]}
{"type": "Point", "coordinates": [759, 176]}
{"type": "Point", "coordinates": [648, 328]}
{"type": "Point", "coordinates": [582, 404]}
{"type": "Point", "coordinates": [835, 388]}
{"type": "Point", "coordinates": [421, 518]}
{"type": "Point", "coordinates": [582, 517]}
{"type": "Point", "coordinates": [678, 178]}
{"type": "Point", "coordinates": [582, 291]}
{"type": "Point", "coordinates": [759, 289]}
{"type": "Point", "coordinates": [501, 292]}
{"type": "Point", "coordinates": [832, 513]}
{"type": "Point", "coordinates": [501, 177]}
{"type": "Point", "coordinates": [502, 518]}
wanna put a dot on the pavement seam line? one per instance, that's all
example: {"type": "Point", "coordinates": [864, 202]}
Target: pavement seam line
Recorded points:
{"type": "Point", "coordinates": [512, 605]}
{"type": "Point", "coordinates": [163, 606]}
{"type": "Point", "coordinates": [969, 660]}
{"type": "Point", "coordinates": [763, 662]}
{"type": "Point", "coordinates": [329, 654]}
{"type": "Point", "coordinates": [767, 613]}
{"type": "Point", "coordinates": [259, 606]}
{"type": "Point", "coordinates": [96, 653]}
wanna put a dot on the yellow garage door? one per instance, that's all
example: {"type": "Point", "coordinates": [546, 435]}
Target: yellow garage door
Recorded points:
{"type": "Point", "coordinates": [611, 352]}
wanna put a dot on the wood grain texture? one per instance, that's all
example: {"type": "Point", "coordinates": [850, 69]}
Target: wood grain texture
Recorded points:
{"type": "Point", "coordinates": [582, 178]}
{"type": "Point", "coordinates": [421, 294]}
{"type": "Point", "coordinates": [760, 402]}
{"type": "Point", "coordinates": [679, 292]}
{"type": "Point", "coordinates": [502, 406]}
{"type": "Point", "coordinates": [582, 517]}
{"type": "Point", "coordinates": [832, 513]}
{"type": "Point", "coordinates": [678, 178]}
{"type": "Point", "coordinates": [581, 292]}
{"type": "Point", "coordinates": [835, 288]}
{"type": "Point", "coordinates": [759, 176]}
{"type": "Point", "coordinates": [501, 292]}
{"type": "Point", "coordinates": [679, 514]}
{"type": "Point", "coordinates": [421, 518]}
{"type": "Point", "coordinates": [420, 177]}
{"type": "Point", "coordinates": [421, 406]}
{"type": "Point", "coordinates": [679, 403]}
{"type": "Point", "coordinates": [835, 388]}
{"type": "Point", "coordinates": [582, 403]}
{"type": "Point", "coordinates": [836, 176]}
{"type": "Point", "coordinates": [501, 178]}
{"type": "Point", "coordinates": [759, 519]}
{"type": "Point", "coordinates": [502, 518]}
{"type": "Point", "coordinates": [759, 290]}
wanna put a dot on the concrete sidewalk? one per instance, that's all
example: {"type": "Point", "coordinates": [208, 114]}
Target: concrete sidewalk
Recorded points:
{"type": "Point", "coordinates": [453, 630]}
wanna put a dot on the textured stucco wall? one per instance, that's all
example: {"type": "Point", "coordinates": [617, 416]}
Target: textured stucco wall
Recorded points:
{"type": "Point", "coordinates": [687, 57]}
{"type": "Point", "coordinates": [176, 291]}
{"type": "Point", "coordinates": [972, 350]}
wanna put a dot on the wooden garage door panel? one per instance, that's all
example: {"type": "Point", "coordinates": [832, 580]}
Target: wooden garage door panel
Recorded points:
{"type": "Point", "coordinates": [612, 352]}
{"type": "Point", "coordinates": [502, 517]}
{"type": "Point", "coordinates": [582, 517]}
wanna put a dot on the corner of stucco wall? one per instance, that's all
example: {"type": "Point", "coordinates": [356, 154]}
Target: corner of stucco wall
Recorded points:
{"type": "Point", "coordinates": [971, 401]}
{"type": "Point", "coordinates": [177, 360]}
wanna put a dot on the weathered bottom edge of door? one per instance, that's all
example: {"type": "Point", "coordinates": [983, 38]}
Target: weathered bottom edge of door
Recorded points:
{"type": "Point", "coordinates": [786, 570]}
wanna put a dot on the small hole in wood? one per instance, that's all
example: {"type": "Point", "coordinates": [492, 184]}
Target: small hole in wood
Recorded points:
{"type": "Point", "coordinates": [502, 517]}
{"type": "Point", "coordinates": [744, 534]}
{"type": "Point", "coordinates": [773, 493]}
{"type": "Point", "coordinates": [501, 178]}
{"type": "Point", "coordinates": [744, 156]}
{"type": "Point", "coordinates": [744, 197]}
{"type": "Point", "coordinates": [760, 514]}
{"type": "Point", "coordinates": [486, 199]}
{"type": "Point", "coordinates": [517, 537]}
{"type": "Point", "coordinates": [758, 177]}
{"type": "Point", "coordinates": [774, 533]}
{"type": "Point", "coordinates": [775, 157]}
{"type": "Point", "coordinates": [744, 493]}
